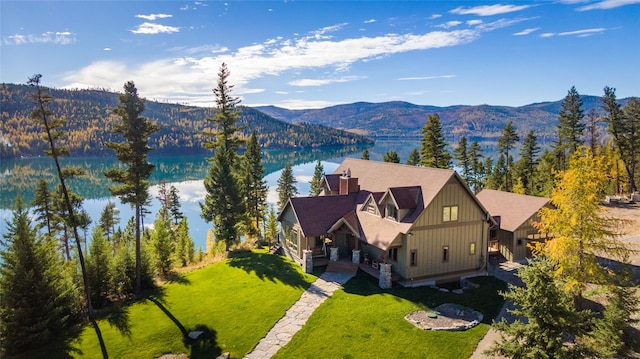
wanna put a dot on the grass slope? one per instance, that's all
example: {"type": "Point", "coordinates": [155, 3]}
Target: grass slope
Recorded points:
{"type": "Point", "coordinates": [234, 303]}
{"type": "Point", "coordinates": [364, 321]}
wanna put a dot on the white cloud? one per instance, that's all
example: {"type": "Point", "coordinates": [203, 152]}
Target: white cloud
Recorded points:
{"type": "Point", "coordinates": [583, 33]}
{"type": "Point", "coordinates": [49, 37]}
{"type": "Point", "coordinates": [154, 17]}
{"type": "Point", "coordinates": [449, 24]}
{"type": "Point", "coordinates": [299, 104]}
{"type": "Point", "coordinates": [281, 93]}
{"type": "Point", "coordinates": [370, 21]}
{"type": "Point", "coordinates": [474, 22]}
{"type": "Point", "coordinates": [107, 49]}
{"type": "Point", "coordinates": [526, 31]}
{"type": "Point", "coordinates": [149, 28]}
{"type": "Point", "coordinates": [321, 82]}
{"type": "Point", "coordinates": [189, 78]}
{"type": "Point", "coordinates": [488, 10]}
{"type": "Point", "coordinates": [608, 4]}
{"type": "Point", "coordinates": [426, 78]}
{"type": "Point", "coordinates": [548, 34]}
{"type": "Point", "coordinates": [434, 16]}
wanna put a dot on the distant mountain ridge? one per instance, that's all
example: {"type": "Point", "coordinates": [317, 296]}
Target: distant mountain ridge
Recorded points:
{"type": "Point", "coordinates": [404, 119]}
{"type": "Point", "coordinates": [90, 119]}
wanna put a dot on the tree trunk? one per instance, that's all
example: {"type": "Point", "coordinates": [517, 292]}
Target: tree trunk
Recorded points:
{"type": "Point", "coordinates": [138, 286]}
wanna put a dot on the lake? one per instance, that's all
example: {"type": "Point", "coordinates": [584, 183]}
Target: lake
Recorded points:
{"type": "Point", "coordinates": [185, 172]}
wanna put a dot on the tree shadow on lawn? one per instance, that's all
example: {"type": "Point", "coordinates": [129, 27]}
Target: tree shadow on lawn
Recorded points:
{"type": "Point", "coordinates": [268, 267]}
{"type": "Point", "coordinates": [485, 299]}
{"type": "Point", "coordinates": [204, 345]}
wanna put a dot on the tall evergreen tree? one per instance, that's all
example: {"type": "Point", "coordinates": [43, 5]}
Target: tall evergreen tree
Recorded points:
{"type": "Point", "coordinates": [506, 143]}
{"type": "Point", "coordinates": [433, 152]}
{"type": "Point", "coordinates": [38, 298]}
{"type": "Point", "coordinates": [271, 230]}
{"type": "Point", "coordinates": [624, 125]}
{"type": "Point", "coordinates": [132, 182]}
{"type": "Point", "coordinates": [476, 166]}
{"type": "Point", "coordinates": [51, 126]}
{"type": "Point", "coordinates": [365, 155]}
{"type": "Point", "coordinates": [495, 180]}
{"type": "Point", "coordinates": [174, 205]}
{"type": "Point", "coordinates": [255, 187]}
{"type": "Point", "coordinates": [109, 217]}
{"type": "Point", "coordinates": [184, 244]}
{"type": "Point", "coordinates": [43, 207]}
{"type": "Point", "coordinates": [414, 158]}
{"type": "Point", "coordinates": [528, 162]}
{"type": "Point", "coordinates": [461, 155]}
{"type": "Point", "coordinates": [99, 267]}
{"type": "Point", "coordinates": [163, 242]}
{"type": "Point", "coordinates": [391, 156]}
{"type": "Point", "coordinates": [318, 172]}
{"type": "Point", "coordinates": [223, 204]}
{"type": "Point", "coordinates": [286, 186]}
{"type": "Point", "coordinates": [570, 128]}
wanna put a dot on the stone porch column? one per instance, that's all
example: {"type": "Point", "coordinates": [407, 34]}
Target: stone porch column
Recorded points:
{"type": "Point", "coordinates": [355, 257]}
{"type": "Point", "coordinates": [333, 255]}
{"type": "Point", "coordinates": [307, 261]}
{"type": "Point", "coordinates": [385, 276]}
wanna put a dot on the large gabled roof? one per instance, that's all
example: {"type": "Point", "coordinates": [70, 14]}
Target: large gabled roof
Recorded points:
{"type": "Point", "coordinates": [514, 209]}
{"type": "Point", "coordinates": [317, 214]}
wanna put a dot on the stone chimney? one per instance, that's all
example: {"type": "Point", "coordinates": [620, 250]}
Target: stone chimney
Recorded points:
{"type": "Point", "coordinates": [348, 184]}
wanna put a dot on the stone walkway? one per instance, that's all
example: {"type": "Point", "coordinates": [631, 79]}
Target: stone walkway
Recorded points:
{"type": "Point", "coordinates": [297, 315]}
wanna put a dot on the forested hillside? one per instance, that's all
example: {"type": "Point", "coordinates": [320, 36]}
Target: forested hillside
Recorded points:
{"type": "Point", "coordinates": [398, 119]}
{"type": "Point", "coordinates": [90, 120]}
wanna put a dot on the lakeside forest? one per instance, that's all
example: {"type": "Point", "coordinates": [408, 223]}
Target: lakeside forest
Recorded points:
{"type": "Point", "coordinates": [75, 288]}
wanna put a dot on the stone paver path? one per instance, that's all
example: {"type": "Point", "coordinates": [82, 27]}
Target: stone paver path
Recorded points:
{"type": "Point", "coordinates": [297, 315]}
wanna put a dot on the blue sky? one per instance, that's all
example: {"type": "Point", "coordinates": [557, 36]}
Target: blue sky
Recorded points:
{"type": "Point", "coordinates": [310, 54]}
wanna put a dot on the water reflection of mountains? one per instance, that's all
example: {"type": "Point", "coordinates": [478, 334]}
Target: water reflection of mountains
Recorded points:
{"type": "Point", "coordinates": [20, 177]}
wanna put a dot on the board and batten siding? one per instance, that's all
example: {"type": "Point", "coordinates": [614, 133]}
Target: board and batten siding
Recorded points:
{"type": "Point", "coordinates": [430, 235]}
{"type": "Point", "coordinates": [288, 219]}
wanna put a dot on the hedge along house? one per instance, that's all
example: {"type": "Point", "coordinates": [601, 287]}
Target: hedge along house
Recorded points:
{"type": "Point", "coordinates": [513, 214]}
{"type": "Point", "coordinates": [413, 224]}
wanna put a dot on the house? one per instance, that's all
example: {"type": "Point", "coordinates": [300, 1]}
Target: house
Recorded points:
{"type": "Point", "coordinates": [513, 214]}
{"type": "Point", "coordinates": [414, 225]}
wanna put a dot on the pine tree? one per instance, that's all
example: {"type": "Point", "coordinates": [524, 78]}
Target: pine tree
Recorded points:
{"type": "Point", "coordinates": [184, 244]}
{"type": "Point", "coordinates": [132, 182]}
{"type": "Point", "coordinates": [506, 142]}
{"type": "Point", "coordinates": [414, 158]}
{"type": "Point", "coordinates": [271, 231]}
{"type": "Point", "coordinates": [525, 168]}
{"type": "Point", "coordinates": [51, 126]}
{"type": "Point", "coordinates": [570, 127]}
{"type": "Point", "coordinates": [460, 153]}
{"type": "Point", "coordinates": [391, 156]}
{"type": "Point", "coordinates": [99, 268]}
{"type": "Point", "coordinates": [549, 314]}
{"type": "Point", "coordinates": [38, 298]}
{"type": "Point", "coordinates": [434, 148]}
{"type": "Point", "coordinates": [163, 242]}
{"type": "Point", "coordinates": [624, 125]}
{"type": "Point", "coordinates": [255, 187]}
{"type": "Point", "coordinates": [477, 167]}
{"type": "Point", "coordinates": [43, 207]}
{"type": "Point", "coordinates": [174, 205]}
{"type": "Point", "coordinates": [223, 204]}
{"type": "Point", "coordinates": [286, 186]}
{"type": "Point", "coordinates": [365, 155]}
{"type": "Point", "coordinates": [318, 172]}
{"type": "Point", "coordinates": [592, 130]}
{"type": "Point", "coordinates": [495, 180]}
{"type": "Point", "coordinates": [109, 218]}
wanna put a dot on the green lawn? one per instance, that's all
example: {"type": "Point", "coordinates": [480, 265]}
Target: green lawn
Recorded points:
{"type": "Point", "coordinates": [234, 302]}
{"type": "Point", "coordinates": [363, 321]}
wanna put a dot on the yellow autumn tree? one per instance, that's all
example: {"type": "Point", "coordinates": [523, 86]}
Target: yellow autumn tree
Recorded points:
{"type": "Point", "coordinates": [580, 230]}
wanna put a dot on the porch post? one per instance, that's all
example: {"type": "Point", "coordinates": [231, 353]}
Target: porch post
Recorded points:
{"type": "Point", "coordinates": [385, 276]}
{"type": "Point", "coordinates": [355, 257]}
{"type": "Point", "coordinates": [333, 254]}
{"type": "Point", "coordinates": [307, 261]}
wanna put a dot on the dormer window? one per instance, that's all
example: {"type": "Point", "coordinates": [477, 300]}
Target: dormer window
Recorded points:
{"type": "Point", "coordinates": [371, 207]}
{"type": "Point", "coordinates": [392, 211]}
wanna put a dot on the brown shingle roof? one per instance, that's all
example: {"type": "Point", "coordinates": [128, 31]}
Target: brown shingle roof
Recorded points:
{"type": "Point", "coordinates": [317, 214]}
{"type": "Point", "coordinates": [514, 209]}
{"type": "Point", "coordinates": [332, 181]}
{"type": "Point", "coordinates": [405, 197]}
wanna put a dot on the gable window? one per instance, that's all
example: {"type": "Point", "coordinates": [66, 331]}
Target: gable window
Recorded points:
{"type": "Point", "coordinates": [445, 253]}
{"type": "Point", "coordinates": [450, 214]}
{"type": "Point", "coordinates": [472, 248]}
{"type": "Point", "coordinates": [393, 254]}
{"type": "Point", "coordinates": [392, 211]}
{"type": "Point", "coordinates": [371, 207]}
{"type": "Point", "coordinates": [414, 257]}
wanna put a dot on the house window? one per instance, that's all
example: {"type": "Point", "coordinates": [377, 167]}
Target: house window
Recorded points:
{"type": "Point", "coordinates": [414, 257]}
{"type": "Point", "coordinates": [371, 207]}
{"type": "Point", "coordinates": [392, 211]}
{"type": "Point", "coordinates": [450, 214]}
{"type": "Point", "coordinates": [445, 253]}
{"type": "Point", "coordinates": [393, 254]}
{"type": "Point", "coordinates": [519, 241]}
{"type": "Point", "coordinates": [291, 238]}
{"type": "Point", "coordinates": [472, 248]}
